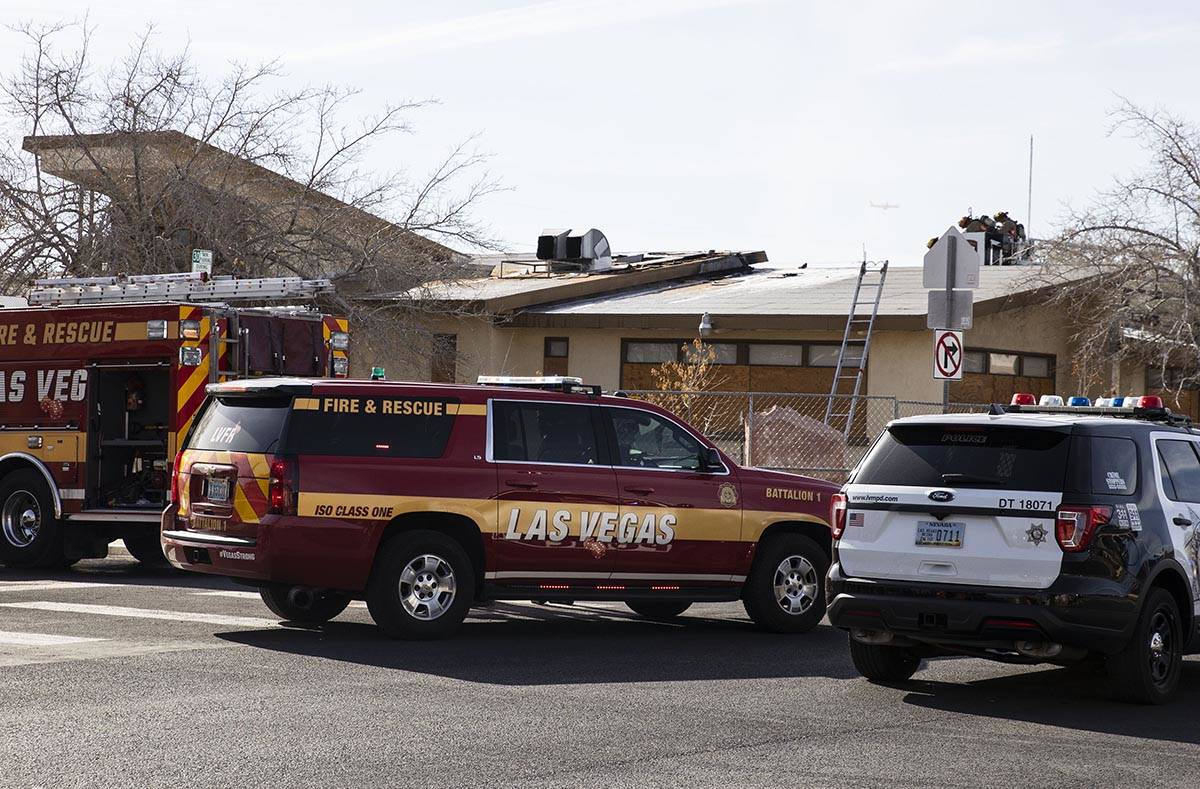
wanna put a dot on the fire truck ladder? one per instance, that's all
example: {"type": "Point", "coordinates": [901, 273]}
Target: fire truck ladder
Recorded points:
{"type": "Point", "coordinates": [867, 292]}
{"type": "Point", "coordinates": [183, 287]}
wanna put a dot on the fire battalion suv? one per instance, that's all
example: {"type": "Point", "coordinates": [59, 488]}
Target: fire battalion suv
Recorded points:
{"type": "Point", "coordinates": [98, 379]}
{"type": "Point", "coordinates": [426, 499]}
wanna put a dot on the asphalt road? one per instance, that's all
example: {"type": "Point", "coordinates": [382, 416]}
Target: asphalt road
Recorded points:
{"type": "Point", "coordinates": [114, 676]}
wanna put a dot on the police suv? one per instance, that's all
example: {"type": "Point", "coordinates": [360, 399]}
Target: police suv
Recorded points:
{"type": "Point", "coordinates": [427, 499]}
{"type": "Point", "coordinates": [1035, 533]}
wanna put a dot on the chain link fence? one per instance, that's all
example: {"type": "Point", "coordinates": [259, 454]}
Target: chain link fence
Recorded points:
{"type": "Point", "coordinates": [801, 433]}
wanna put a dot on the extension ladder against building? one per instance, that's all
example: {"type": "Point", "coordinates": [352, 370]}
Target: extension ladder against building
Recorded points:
{"type": "Point", "coordinates": [850, 369]}
{"type": "Point", "coordinates": [182, 287]}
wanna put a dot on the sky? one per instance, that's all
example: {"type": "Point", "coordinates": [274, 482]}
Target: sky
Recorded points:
{"type": "Point", "coordinates": [719, 124]}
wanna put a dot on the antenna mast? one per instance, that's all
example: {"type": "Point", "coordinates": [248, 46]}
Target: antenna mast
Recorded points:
{"type": "Point", "coordinates": [1029, 199]}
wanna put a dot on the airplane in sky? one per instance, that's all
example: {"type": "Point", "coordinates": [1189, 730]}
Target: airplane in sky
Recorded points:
{"type": "Point", "coordinates": [884, 206]}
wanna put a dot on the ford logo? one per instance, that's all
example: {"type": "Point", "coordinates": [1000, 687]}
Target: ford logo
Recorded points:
{"type": "Point", "coordinates": [941, 496]}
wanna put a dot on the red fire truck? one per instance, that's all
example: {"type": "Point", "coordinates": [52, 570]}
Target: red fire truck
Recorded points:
{"type": "Point", "coordinates": [99, 380]}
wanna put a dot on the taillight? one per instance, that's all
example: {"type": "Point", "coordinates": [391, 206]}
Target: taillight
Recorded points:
{"type": "Point", "coordinates": [837, 515]}
{"type": "Point", "coordinates": [175, 476]}
{"type": "Point", "coordinates": [1074, 526]}
{"type": "Point", "coordinates": [282, 487]}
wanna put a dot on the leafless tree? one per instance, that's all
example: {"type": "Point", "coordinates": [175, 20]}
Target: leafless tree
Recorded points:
{"type": "Point", "coordinates": [127, 167]}
{"type": "Point", "coordinates": [1127, 267]}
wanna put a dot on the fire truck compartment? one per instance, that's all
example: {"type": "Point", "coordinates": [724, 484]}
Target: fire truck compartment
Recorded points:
{"type": "Point", "coordinates": [130, 421]}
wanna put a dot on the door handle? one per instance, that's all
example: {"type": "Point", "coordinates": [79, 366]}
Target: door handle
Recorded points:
{"type": "Point", "coordinates": [1179, 520]}
{"type": "Point", "coordinates": [521, 483]}
{"type": "Point", "coordinates": [637, 489]}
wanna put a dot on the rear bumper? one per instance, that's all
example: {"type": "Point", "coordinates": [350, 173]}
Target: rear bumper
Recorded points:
{"type": "Point", "coordinates": [1072, 612]}
{"type": "Point", "coordinates": [215, 554]}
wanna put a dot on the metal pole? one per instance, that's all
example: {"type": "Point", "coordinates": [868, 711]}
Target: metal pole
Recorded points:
{"type": "Point", "coordinates": [1029, 202]}
{"type": "Point", "coordinates": [951, 259]}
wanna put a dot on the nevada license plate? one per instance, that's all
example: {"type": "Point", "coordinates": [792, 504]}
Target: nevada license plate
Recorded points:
{"type": "Point", "coordinates": [216, 489]}
{"type": "Point", "coordinates": [946, 535]}
{"type": "Point", "coordinates": [201, 523]}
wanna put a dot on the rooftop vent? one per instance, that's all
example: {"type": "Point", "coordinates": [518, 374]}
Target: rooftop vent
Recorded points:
{"type": "Point", "coordinates": [587, 250]}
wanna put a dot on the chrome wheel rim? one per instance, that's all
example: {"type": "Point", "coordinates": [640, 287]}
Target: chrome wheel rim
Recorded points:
{"type": "Point", "coordinates": [796, 585]}
{"type": "Point", "coordinates": [427, 587]}
{"type": "Point", "coordinates": [1161, 647]}
{"type": "Point", "coordinates": [21, 518]}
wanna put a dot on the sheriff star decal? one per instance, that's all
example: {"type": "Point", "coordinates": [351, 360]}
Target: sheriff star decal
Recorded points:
{"type": "Point", "coordinates": [1036, 534]}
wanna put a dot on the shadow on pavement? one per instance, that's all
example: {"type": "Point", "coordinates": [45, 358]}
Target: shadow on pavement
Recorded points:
{"type": "Point", "coordinates": [1070, 698]}
{"type": "Point", "coordinates": [119, 568]}
{"type": "Point", "coordinates": [512, 644]}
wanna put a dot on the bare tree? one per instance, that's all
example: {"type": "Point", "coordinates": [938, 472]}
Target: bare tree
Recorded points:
{"type": "Point", "coordinates": [1127, 267]}
{"type": "Point", "coordinates": [126, 168]}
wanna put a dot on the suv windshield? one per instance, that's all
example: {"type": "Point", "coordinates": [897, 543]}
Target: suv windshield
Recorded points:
{"type": "Point", "coordinates": [1008, 458]}
{"type": "Point", "coordinates": [241, 424]}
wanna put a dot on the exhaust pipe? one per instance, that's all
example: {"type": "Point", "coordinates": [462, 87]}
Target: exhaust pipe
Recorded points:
{"type": "Point", "coordinates": [875, 637]}
{"type": "Point", "coordinates": [1043, 650]}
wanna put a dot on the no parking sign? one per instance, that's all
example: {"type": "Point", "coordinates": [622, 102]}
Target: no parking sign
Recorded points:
{"type": "Point", "coordinates": [947, 355]}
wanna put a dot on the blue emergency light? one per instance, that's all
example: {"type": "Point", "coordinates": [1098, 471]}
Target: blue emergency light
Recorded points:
{"type": "Point", "coordinates": [1079, 401]}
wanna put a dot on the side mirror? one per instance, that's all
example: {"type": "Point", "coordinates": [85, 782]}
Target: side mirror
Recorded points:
{"type": "Point", "coordinates": [711, 460]}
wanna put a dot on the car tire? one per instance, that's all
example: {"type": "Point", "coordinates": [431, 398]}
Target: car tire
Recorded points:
{"type": "Point", "coordinates": [422, 586]}
{"type": "Point", "coordinates": [785, 591]}
{"type": "Point", "coordinates": [309, 607]}
{"type": "Point", "coordinates": [881, 663]}
{"type": "Point", "coordinates": [1147, 670]}
{"type": "Point", "coordinates": [30, 534]}
{"type": "Point", "coordinates": [658, 610]}
{"type": "Point", "coordinates": [147, 549]}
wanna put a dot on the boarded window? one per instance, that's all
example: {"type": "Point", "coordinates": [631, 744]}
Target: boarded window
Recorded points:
{"type": "Point", "coordinates": [1003, 363]}
{"type": "Point", "coordinates": [444, 361]}
{"type": "Point", "coordinates": [724, 352]}
{"type": "Point", "coordinates": [779, 355]}
{"type": "Point", "coordinates": [1035, 366]}
{"type": "Point", "coordinates": [651, 352]}
{"type": "Point", "coordinates": [555, 354]}
{"type": "Point", "coordinates": [975, 362]}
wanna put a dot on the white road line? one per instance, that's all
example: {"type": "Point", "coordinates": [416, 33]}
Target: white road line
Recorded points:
{"type": "Point", "coordinates": [46, 586]}
{"type": "Point", "coordinates": [8, 638]}
{"type": "Point", "coordinates": [146, 613]}
{"type": "Point", "coordinates": [254, 596]}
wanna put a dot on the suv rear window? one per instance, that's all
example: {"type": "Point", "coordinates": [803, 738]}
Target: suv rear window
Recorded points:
{"type": "Point", "coordinates": [241, 424]}
{"type": "Point", "coordinates": [1007, 458]}
{"type": "Point", "coordinates": [1103, 465]}
{"type": "Point", "coordinates": [398, 427]}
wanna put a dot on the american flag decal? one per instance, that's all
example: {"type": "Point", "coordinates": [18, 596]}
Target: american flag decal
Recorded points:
{"type": "Point", "coordinates": [856, 519]}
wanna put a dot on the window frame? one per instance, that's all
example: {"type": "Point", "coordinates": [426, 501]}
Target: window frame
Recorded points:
{"type": "Point", "coordinates": [605, 438]}
{"type": "Point", "coordinates": [603, 449]}
{"type": "Point", "coordinates": [612, 442]}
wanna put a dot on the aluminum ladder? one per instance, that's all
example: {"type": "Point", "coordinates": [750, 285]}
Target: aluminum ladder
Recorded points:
{"type": "Point", "coordinates": [867, 292]}
{"type": "Point", "coordinates": [182, 287]}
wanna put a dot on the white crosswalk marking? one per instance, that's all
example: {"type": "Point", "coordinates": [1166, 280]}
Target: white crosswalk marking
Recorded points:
{"type": "Point", "coordinates": [8, 638]}
{"type": "Point", "coordinates": [146, 613]}
{"type": "Point", "coordinates": [47, 586]}
{"type": "Point", "coordinates": [254, 596]}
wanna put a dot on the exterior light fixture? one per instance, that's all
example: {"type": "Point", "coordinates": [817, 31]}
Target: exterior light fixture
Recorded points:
{"type": "Point", "coordinates": [706, 326]}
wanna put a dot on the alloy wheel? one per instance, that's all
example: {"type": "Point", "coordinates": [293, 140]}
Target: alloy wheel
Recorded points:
{"type": "Point", "coordinates": [796, 585]}
{"type": "Point", "coordinates": [21, 518]}
{"type": "Point", "coordinates": [427, 587]}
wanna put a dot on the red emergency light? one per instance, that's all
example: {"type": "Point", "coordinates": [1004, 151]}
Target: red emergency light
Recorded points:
{"type": "Point", "coordinates": [1023, 398]}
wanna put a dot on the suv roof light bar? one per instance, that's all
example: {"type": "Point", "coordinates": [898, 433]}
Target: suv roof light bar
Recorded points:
{"type": "Point", "coordinates": [552, 383]}
{"type": "Point", "coordinates": [1152, 413]}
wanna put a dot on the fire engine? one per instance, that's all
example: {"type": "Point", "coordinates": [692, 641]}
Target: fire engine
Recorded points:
{"type": "Point", "coordinates": [100, 378]}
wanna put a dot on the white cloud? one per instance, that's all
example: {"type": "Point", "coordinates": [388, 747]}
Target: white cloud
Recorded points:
{"type": "Point", "coordinates": [538, 19]}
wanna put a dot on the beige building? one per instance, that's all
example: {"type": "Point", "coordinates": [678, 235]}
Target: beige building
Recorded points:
{"type": "Point", "coordinates": [774, 329]}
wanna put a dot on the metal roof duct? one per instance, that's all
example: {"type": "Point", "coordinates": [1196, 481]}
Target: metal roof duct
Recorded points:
{"type": "Point", "coordinates": [588, 249]}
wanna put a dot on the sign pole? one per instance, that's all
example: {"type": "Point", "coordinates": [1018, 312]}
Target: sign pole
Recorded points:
{"type": "Point", "coordinates": [951, 259]}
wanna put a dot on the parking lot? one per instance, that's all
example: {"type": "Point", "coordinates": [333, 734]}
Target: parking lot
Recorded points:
{"type": "Point", "coordinates": [113, 675]}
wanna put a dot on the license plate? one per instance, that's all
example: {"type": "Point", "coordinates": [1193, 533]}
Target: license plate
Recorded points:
{"type": "Point", "coordinates": [216, 489]}
{"type": "Point", "coordinates": [945, 535]}
{"type": "Point", "coordinates": [201, 523]}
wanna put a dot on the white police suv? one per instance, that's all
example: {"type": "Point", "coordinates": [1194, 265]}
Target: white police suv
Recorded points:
{"type": "Point", "coordinates": [1035, 533]}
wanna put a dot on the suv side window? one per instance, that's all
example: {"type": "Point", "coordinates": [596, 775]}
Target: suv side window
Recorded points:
{"type": "Point", "coordinates": [1181, 469]}
{"type": "Point", "coordinates": [544, 432]}
{"type": "Point", "coordinates": [645, 440]}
